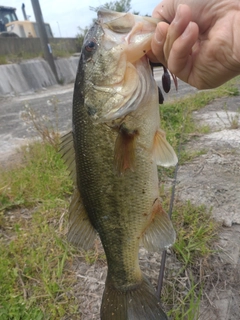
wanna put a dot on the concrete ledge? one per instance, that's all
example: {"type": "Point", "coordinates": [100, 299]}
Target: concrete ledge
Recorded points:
{"type": "Point", "coordinates": [33, 75]}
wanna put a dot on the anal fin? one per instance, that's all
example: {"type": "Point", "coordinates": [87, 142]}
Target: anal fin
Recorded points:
{"type": "Point", "coordinates": [160, 233]}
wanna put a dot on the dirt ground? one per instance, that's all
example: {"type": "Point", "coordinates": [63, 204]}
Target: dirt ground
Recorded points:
{"type": "Point", "coordinates": [213, 179]}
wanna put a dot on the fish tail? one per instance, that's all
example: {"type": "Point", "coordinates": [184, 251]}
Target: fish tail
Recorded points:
{"type": "Point", "coordinates": [137, 303]}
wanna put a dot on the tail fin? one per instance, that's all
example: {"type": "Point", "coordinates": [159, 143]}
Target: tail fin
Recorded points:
{"type": "Point", "coordinates": [138, 303]}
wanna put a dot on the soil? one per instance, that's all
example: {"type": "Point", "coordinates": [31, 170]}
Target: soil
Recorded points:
{"type": "Point", "coordinates": [212, 179]}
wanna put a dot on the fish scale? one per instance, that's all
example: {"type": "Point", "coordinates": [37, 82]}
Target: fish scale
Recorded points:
{"type": "Point", "coordinates": [116, 144]}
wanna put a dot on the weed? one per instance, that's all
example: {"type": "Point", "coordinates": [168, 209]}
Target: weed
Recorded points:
{"type": "Point", "coordinates": [176, 116]}
{"type": "Point", "coordinates": [187, 307]}
{"type": "Point", "coordinates": [233, 119]}
{"type": "Point", "coordinates": [42, 177]}
{"type": "Point", "coordinates": [196, 232]}
{"type": "Point", "coordinates": [47, 130]}
{"type": "Point", "coordinates": [3, 60]}
{"type": "Point", "coordinates": [32, 264]}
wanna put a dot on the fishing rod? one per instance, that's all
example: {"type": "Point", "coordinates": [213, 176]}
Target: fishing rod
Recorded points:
{"type": "Point", "coordinates": [166, 83]}
{"type": "Point", "coordinates": [164, 254]}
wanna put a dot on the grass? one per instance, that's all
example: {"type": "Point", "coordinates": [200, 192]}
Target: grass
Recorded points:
{"type": "Point", "coordinates": [58, 52]}
{"type": "Point", "coordinates": [196, 233]}
{"type": "Point", "coordinates": [3, 60]}
{"type": "Point", "coordinates": [33, 204]}
{"type": "Point", "coordinates": [35, 265]}
{"type": "Point", "coordinates": [196, 229]}
{"type": "Point", "coordinates": [177, 120]}
{"type": "Point", "coordinates": [17, 58]}
{"type": "Point", "coordinates": [176, 116]}
{"type": "Point", "coordinates": [40, 178]}
{"type": "Point", "coordinates": [233, 120]}
{"type": "Point", "coordinates": [35, 282]}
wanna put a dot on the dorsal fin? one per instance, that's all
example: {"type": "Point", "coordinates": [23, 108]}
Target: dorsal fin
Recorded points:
{"type": "Point", "coordinates": [80, 230]}
{"type": "Point", "coordinates": [68, 154]}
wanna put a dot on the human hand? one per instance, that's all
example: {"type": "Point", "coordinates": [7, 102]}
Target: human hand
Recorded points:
{"type": "Point", "coordinates": [201, 46]}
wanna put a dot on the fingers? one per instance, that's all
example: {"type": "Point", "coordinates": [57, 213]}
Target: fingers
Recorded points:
{"type": "Point", "coordinates": [166, 34]}
{"type": "Point", "coordinates": [180, 58]}
{"type": "Point", "coordinates": [172, 44]}
{"type": "Point", "coordinates": [158, 43]}
{"type": "Point", "coordinates": [165, 10]}
{"type": "Point", "coordinates": [177, 27]}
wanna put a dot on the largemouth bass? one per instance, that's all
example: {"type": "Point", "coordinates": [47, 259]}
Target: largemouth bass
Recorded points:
{"type": "Point", "coordinates": [113, 152]}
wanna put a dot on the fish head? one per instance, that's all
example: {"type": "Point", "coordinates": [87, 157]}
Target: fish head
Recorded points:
{"type": "Point", "coordinates": [112, 50]}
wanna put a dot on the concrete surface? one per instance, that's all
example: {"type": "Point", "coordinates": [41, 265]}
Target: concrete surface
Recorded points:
{"type": "Point", "coordinates": [34, 75]}
{"type": "Point", "coordinates": [15, 131]}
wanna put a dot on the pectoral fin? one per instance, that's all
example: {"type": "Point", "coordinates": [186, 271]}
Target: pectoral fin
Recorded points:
{"type": "Point", "coordinates": [125, 148]}
{"type": "Point", "coordinates": [163, 153]}
{"type": "Point", "coordinates": [160, 233]}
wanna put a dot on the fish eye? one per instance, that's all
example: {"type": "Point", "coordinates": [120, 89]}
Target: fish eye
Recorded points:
{"type": "Point", "coordinates": [91, 45]}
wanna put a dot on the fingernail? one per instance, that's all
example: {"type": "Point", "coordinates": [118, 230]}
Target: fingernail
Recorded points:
{"type": "Point", "coordinates": [158, 35]}
{"type": "Point", "coordinates": [186, 32]}
{"type": "Point", "coordinates": [178, 14]}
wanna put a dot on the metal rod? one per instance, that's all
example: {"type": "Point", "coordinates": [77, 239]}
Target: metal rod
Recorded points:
{"type": "Point", "coordinates": [43, 37]}
{"type": "Point", "coordinates": [164, 254]}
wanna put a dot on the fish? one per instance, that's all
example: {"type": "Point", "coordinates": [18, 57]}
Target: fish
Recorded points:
{"type": "Point", "coordinates": [113, 151]}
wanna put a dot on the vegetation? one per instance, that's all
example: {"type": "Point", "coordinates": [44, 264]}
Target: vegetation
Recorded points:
{"type": "Point", "coordinates": [35, 265]}
{"type": "Point", "coordinates": [177, 120]}
{"type": "Point", "coordinates": [176, 116]}
{"type": "Point", "coordinates": [120, 6]}
{"type": "Point", "coordinates": [195, 227]}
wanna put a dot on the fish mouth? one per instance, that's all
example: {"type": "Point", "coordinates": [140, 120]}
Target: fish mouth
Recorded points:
{"type": "Point", "coordinates": [123, 78]}
{"type": "Point", "coordinates": [132, 33]}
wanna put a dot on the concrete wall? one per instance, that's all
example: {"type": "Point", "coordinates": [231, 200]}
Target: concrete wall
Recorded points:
{"type": "Point", "coordinates": [32, 75]}
{"type": "Point", "coordinates": [33, 45]}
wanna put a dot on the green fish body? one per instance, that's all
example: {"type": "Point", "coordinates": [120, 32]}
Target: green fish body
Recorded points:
{"type": "Point", "coordinates": [113, 153]}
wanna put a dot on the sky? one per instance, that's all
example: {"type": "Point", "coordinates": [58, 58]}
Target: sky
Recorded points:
{"type": "Point", "coordinates": [66, 16]}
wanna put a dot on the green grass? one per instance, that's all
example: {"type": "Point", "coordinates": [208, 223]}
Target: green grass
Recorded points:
{"type": "Point", "coordinates": [34, 200]}
{"type": "Point", "coordinates": [176, 116]}
{"type": "Point", "coordinates": [33, 285]}
{"type": "Point", "coordinates": [177, 120]}
{"type": "Point", "coordinates": [58, 52]}
{"type": "Point", "coordinates": [41, 177]}
{"type": "Point", "coordinates": [196, 229]}
{"type": "Point", "coordinates": [35, 265]}
{"type": "Point", "coordinates": [3, 59]}
{"type": "Point", "coordinates": [16, 58]}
